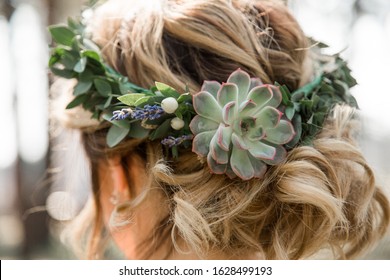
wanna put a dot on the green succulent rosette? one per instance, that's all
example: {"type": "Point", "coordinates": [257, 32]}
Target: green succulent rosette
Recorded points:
{"type": "Point", "coordinates": [238, 126]}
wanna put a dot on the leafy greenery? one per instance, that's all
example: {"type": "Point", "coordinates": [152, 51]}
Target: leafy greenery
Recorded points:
{"type": "Point", "coordinates": [102, 90]}
{"type": "Point", "coordinates": [105, 92]}
{"type": "Point", "coordinates": [309, 106]}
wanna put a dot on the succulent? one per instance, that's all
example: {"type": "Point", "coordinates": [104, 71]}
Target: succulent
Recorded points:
{"type": "Point", "coordinates": [238, 126]}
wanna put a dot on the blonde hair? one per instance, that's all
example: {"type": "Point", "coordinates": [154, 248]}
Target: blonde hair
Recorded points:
{"type": "Point", "coordinates": [323, 195]}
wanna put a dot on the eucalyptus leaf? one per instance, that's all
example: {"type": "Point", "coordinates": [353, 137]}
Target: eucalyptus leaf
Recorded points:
{"type": "Point", "coordinates": [90, 45]}
{"type": "Point", "coordinates": [162, 131]}
{"type": "Point", "coordinates": [77, 101]}
{"type": "Point", "coordinates": [80, 65]}
{"type": "Point", "coordinates": [73, 24]}
{"type": "Point", "coordinates": [96, 67]}
{"type": "Point", "coordinates": [138, 131]}
{"type": "Point", "coordinates": [121, 123]}
{"type": "Point", "coordinates": [86, 76]}
{"type": "Point", "coordinates": [67, 74]}
{"type": "Point", "coordinates": [54, 59]}
{"type": "Point", "coordinates": [91, 54]}
{"type": "Point", "coordinates": [102, 87]}
{"type": "Point", "coordinates": [62, 35]}
{"type": "Point", "coordinates": [108, 102]}
{"type": "Point", "coordinates": [68, 60]}
{"type": "Point", "coordinates": [56, 55]}
{"type": "Point", "coordinates": [116, 134]}
{"type": "Point", "coordinates": [82, 87]}
{"type": "Point", "coordinates": [76, 45]}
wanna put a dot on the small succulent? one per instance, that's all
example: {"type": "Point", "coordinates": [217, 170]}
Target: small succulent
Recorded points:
{"type": "Point", "coordinates": [238, 126]}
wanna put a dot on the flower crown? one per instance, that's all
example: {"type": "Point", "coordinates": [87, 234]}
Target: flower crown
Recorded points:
{"type": "Point", "coordinates": [240, 126]}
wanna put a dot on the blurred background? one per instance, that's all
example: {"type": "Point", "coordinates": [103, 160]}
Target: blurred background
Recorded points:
{"type": "Point", "coordinates": [32, 208]}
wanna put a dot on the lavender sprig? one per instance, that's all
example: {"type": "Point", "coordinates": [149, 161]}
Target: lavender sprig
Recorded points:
{"type": "Point", "coordinates": [171, 141]}
{"type": "Point", "coordinates": [150, 112]}
{"type": "Point", "coordinates": [121, 114]}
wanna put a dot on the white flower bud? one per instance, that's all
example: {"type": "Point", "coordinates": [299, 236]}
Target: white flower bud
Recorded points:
{"type": "Point", "coordinates": [177, 123]}
{"type": "Point", "coordinates": [169, 105]}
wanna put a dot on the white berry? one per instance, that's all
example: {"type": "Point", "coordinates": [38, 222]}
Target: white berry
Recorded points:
{"type": "Point", "coordinates": [169, 105]}
{"type": "Point", "coordinates": [177, 123]}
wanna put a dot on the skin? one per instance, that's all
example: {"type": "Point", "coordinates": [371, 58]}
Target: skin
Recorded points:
{"type": "Point", "coordinates": [143, 219]}
{"type": "Point", "coordinates": [145, 216]}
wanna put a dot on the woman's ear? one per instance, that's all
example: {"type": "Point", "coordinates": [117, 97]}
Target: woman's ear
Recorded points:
{"type": "Point", "coordinates": [128, 180]}
{"type": "Point", "coordinates": [117, 176]}
{"type": "Point", "coordinates": [137, 176]}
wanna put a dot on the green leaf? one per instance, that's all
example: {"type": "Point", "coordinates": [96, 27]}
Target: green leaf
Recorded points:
{"type": "Point", "coordinates": [167, 91]}
{"type": "Point", "coordinates": [77, 101]}
{"type": "Point", "coordinates": [161, 131]}
{"type": "Point", "coordinates": [108, 102]}
{"type": "Point", "coordinates": [158, 121]}
{"type": "Point", "coordinates": [62, 35]}
{"type": "Point", "coordinates": [90, 45]}
{"type": "Point", "coordinates": [116, 134]}
{"type": "Point", "coordinates": [76, 45]}
{"type": "Point", "coordinates": [82, 87]}
{"type": "Point", "coordinates": [297, 124]}
{"type": "Point", "coordinates": [54, 59]}
{"type": "Point", "coordinates": [86, 76]}
{"type": "Point", "coordinates": [56, 55]}
{"type": "Point", "coordinates": [73, 24]}
{"type": "Point", "coordinates": [285, 95]}
{"type": "Point", "coordinates": [121, 123]}
{"type": "Point", "coordinates": [96, 67]}
{"type": "Point", "coordinates": [96, 115]}
{"type": "Point", "coordinates": [91, 54]}
{"type": "Point", "coordinates": [175, 152]}
{"type": "Point", "coordinates": [125, 124]}
{"type": "Point", "coordinates": [80, 65]}
{"type": "Point", "coordinates": [131, 98]}
{"type": "Point", "coordinates": [290, 112]}
{"type": "Point", "coordinates": [179, 114]}
{"type": "Point", "coordinates": [138, 131]}
{"type": "Point", "coordinates": [67, 74]}
{"type": "Point", "coordinates": [319, 118]}
{"type": "Point", "coordinates": [102, 87]}
{"type": "Point", "coordinates": [186, 97]}
{"type": "Point", "coordinates": [308, 88]}
{"type": "Point", "coordinates": [149, 100]}
{"type": "Point", "coordinates": [69, 60]}
{"type": "Point", "coordinates": [297, 96]}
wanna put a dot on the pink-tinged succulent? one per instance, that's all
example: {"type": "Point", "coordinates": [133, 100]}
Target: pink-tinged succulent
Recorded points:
{"type": "Point", "coordinates": [238, 126]}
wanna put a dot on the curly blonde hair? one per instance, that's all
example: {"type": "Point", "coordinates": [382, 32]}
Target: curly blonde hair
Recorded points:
{"type": "Point", "coordinates": [321, 196]}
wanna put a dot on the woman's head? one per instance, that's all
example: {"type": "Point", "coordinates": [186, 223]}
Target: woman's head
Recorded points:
{"type": "Point", "coordinates": [321, 196]}
{"type": "Point", "coordinates": [184, 43]}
